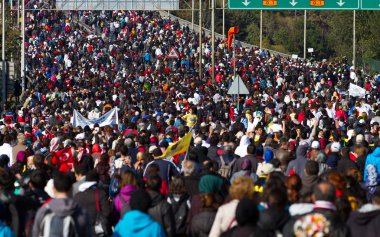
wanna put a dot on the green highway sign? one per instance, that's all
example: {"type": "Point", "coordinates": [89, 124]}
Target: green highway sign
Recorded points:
{"type": "Point", "coordinates": [370, 5]}
{"type": "Point", "coordinates": [297, 4]}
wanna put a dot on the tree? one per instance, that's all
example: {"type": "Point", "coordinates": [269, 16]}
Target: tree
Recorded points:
{"type": "Point", "coordinates": [12, 38]}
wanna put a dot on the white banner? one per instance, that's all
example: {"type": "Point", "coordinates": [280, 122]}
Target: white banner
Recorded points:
{"type": "Point", "coordinates": [110, 118]}
{"type": "Point", "coordinates": [356, 91]}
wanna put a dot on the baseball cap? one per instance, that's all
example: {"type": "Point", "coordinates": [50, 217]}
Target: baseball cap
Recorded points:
{"type": "Point", "coordinates": [315, 145]}
{"type": "Point", "coordinates": [151, 149]}
{"type": "Point", "coordinates": [359, 138]}
{"type": "Point", "coordinates": [335, 147]}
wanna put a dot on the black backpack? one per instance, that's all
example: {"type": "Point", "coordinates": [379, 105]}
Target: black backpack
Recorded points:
{"type": "Point", "coordinates": [180, 211]}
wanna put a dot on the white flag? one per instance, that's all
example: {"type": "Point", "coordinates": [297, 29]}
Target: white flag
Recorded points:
{"type": "Point", "coordinates": [110, 118]}
{"type": "Point", "coordinates": [356, 91]}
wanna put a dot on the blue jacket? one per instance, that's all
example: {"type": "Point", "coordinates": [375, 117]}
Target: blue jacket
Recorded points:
{"type": "Point", "coordinates": [373, 159]}
{"type": "Point", "coordinates": [137, 223]}
{"type": "Point", "coordinates": [5, 231]}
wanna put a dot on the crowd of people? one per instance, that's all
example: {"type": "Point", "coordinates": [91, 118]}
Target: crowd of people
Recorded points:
{"type": "Point", "coordinates": [298, 156]}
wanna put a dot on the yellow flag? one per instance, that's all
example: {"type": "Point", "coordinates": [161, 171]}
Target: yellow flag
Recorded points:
{"type": "Point", "coordinates": [180, 146]}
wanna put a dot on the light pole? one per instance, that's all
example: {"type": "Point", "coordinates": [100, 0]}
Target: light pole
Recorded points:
{"type": "Point", "coordinates": [23, 47]}
{"type": "Point", "coordinates": [192, 15]}
{"type": "Point", "coordinates": [304, 35]}
{"type": "Point", "coordinates": [261, 29]}
{"type": "Point", "coordinates": [3, 76]}
{"type": "Point", "coordinates": [224, 20]}
{"type": "Point", "coordinates": [200, 39]}
{"type": "Point", "coordinates": [354, 41]}
{"type": "Point", "coordinates": [213, 40]}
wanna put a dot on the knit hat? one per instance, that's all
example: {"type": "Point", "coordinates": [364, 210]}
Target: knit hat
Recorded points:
{"type": "Point", "coordinates": [246, 164]}
{"type": "Point", "coordinates": [140, 200]}
{"type": "Point", "coordinates": [96, 148]}
{"type": "Point", "coordinates": [210, 184]}
{"type": "Point", "coordinates": [268, 155]}
{"type": "Point", "coordinates": [21, 157]}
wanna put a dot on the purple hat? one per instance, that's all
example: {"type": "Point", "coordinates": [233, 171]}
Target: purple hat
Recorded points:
{"type": "Point", "coordinates": [21, 157]}
{"type": "Point", "coordinates": [246, 164]}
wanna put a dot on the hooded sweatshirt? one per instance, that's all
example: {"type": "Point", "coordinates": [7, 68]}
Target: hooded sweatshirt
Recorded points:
{"type": "Point", "coordinates": [241, 150]}
{"type": "Point", "coordinates": [126, 192]}
{"type": "Point", "coordinates": [5, 231]}
{"type": "Point", "coordinates": [137, 223]}
{"type": "Point", "coordinates": [299, 163]}
{"type": "Point", "coordinates": [365, 222]}
{"type": "Point", "coordinates": [374, 160]}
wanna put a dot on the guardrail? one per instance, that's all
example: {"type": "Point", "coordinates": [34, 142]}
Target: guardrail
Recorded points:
{"type": "Point", "coordinates": [217, 35]}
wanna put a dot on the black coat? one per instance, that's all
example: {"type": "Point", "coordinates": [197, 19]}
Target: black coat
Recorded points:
{"type": "Point", "coordinates": [308, 183]}
{"type": "Point", "coordinates": [201, 152]}
{"type": "Point", "coordinates": [162, 212]}
{"type": "Point", "coordinates": [272, 220]}
{"type": "Point", "coordinates": [247, 230]}
{"type": "Point", "coordinates": [86, 200]}
{"type": "Point", "coordinates": [192, 184]}
{"type": "Point", "coordinates": [346, 163]}
{"type": "Point", "coordinates": [202, 223]}
{"type": "Point", "coordinates": [364, 224]}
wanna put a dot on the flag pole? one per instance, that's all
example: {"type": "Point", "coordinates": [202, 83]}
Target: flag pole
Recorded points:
{"type": "Point", "coordinates": [187, 151]}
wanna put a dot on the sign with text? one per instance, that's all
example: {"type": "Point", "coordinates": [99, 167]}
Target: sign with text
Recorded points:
{"type": "Point", "coordinates": [294, 4]}
{"type": "Point", "coordinates": [370, 5]}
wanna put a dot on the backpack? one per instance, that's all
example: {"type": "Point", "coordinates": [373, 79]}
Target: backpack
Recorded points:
{"type": "Point", "coordinates": [180, 211]}
{"type": "Point", "coordinates": [225, 169]}
{"type": "Point", "coordinates": [54, 225]}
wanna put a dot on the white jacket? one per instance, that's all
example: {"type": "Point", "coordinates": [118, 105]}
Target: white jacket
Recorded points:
{"type": "Point", "coordinates": [6, 149]}
{"type": "Point", "coordinates": [224, 219]}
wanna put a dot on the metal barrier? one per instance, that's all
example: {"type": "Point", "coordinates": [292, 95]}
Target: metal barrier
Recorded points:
{"type": "Point", "coordinates": [217, 35]}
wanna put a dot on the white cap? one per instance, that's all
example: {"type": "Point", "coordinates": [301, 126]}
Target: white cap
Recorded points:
{"type": "Point", "coordinates": [359, 138]}
{"type": "Point", "coordinates": [198, 141]}
{"type": "Point", "coordinates": [151, 148]}
{"type": "Point", "coordinates": [335, 147]}
{"type": "Point", "coordinates": [80, 136]}
{"type": "Point", "coordinates": [266, 169]}
{"type": "Point", "coordinates": [315, 145]}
